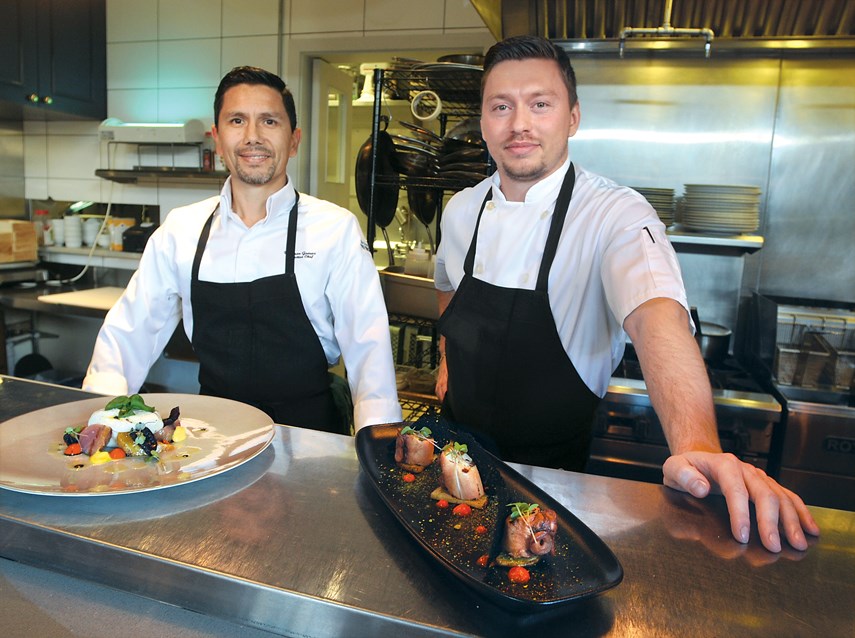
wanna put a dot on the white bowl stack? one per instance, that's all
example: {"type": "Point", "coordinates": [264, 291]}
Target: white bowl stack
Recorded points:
{"type": "Point", "coordinates": [73, 231]}
{"type": "Point", "coordinates": [721, 208]}
{"type": "Point", "coordinates": [662, 200]}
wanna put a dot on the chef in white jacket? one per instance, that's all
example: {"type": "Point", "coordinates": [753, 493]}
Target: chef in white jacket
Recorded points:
{"type": "Point", "coordinates": [272, 285]}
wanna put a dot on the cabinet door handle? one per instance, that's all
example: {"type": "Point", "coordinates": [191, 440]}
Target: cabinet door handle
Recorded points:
{"type": "Point", "coordinates": [47, 99]}
{"type": "Point", "coordinates": [33, 97]}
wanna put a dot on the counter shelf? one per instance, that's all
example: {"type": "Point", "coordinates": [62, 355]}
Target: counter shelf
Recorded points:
{"type": "Point", "coordinates": [297, 542]}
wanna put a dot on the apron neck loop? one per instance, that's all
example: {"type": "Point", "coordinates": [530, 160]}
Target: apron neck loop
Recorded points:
{"type": "Point", "coordinates": [559, 214]}
{"type": "Point", "coordinates": [290, 245]}
{"type": "Point", "coordinates": [470, 255]}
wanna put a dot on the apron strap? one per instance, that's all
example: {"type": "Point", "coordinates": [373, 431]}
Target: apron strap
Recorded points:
{"type": "Point", "coordinates": [200, 245]}
{"type": "Point", "coordinates": [559, 214]}
{"type": "Point", "coordinates": [470, 255]}
{"type": "Point", "coordinates": [291, 245]}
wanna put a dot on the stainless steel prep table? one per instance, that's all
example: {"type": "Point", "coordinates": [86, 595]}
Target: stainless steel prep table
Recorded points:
{"type": "Point", "coordinates": [296, 542]}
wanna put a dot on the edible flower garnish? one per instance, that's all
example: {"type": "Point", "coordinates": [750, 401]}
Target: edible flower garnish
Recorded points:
{"type": "Point", "coordinates": [127, 405]}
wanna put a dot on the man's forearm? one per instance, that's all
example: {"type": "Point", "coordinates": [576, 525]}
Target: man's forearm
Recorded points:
{"type": "Point", "coordinates": [675, 375]}
{"type": "Point", "coordinates": [443, 299]}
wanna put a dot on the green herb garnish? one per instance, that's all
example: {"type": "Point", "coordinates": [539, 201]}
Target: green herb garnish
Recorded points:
{"type": "Point", "coordinates": [522, 509]}
{"type": "Point", "coordinates": [458, 449]}
{"type": "Point", "coordinates": [423, 433]}
{"type": "Point", "coordinates": [127, 405]}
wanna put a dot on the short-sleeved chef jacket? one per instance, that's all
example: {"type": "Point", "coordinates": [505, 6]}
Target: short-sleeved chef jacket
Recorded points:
{"type": "Point", "coordinates": [338, 282]}
{"type": "Point", "coordinates": [613, 255]}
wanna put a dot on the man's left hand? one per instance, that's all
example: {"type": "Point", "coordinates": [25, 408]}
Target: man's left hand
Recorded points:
{"type": "Point", "coordinates": [700, 473]}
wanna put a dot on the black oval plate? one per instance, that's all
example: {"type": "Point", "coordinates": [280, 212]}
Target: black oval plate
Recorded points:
{"type": "Point", "coordinates": [582, 566]}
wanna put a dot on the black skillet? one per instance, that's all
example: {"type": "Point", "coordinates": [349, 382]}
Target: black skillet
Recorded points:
{"type": "Point", "coordinates": [387, 182]}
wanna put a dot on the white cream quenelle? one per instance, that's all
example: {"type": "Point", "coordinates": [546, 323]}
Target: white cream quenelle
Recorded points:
{"type": "Point", "coordinates": [136, 420]}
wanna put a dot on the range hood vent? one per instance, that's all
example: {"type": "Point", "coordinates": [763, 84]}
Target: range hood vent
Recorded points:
{"type": "Point", "coordinates": [727, 19]}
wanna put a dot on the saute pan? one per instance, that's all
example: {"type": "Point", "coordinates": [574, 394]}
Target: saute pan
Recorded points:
{"type": "Point", "coordinates": [385, 194]}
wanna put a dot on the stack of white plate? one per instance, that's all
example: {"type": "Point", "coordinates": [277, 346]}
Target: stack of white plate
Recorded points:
{"type": "Point", "coordinates": [662, 199]}
{"type": "Point", "coordinates": [720, 208]}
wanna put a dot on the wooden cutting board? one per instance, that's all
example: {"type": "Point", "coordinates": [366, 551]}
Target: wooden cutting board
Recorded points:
{"type": "Point", "coordinates": [97, 298]}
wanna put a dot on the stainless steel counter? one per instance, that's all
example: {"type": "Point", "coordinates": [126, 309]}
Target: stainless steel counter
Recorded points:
{"type": "Point", "coordinates": [297, 543]}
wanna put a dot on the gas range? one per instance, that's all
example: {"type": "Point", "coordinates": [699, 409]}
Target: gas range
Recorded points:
{"type": "Point", "coordinates": [629, 441]}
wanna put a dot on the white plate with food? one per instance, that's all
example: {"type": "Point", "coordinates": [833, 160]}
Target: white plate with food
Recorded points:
{"type": "Point", "coordinates": [219, 435]}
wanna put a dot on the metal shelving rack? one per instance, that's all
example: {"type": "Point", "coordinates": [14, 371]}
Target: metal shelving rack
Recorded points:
{"type": "Point", "coordinates": [461, 98]}
{"type": "Point", "coordinates": [460, 93]}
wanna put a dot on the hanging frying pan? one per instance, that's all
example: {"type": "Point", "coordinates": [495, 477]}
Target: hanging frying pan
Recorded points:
{"type": "Point", "coordinates": [424, 203]}
{"type": "Point", "coordinates": [387, 182]}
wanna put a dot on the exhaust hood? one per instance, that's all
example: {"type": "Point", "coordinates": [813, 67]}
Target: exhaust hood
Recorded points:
{"type": "Point", "coordinates": [740, 23]}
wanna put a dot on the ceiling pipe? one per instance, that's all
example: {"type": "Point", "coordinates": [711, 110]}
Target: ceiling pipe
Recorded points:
{"type": "Point", "coordinates": [666, 30]}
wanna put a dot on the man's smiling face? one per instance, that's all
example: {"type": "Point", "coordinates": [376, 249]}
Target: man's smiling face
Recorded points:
{"type": "Point", "coordinates": [254, 136]}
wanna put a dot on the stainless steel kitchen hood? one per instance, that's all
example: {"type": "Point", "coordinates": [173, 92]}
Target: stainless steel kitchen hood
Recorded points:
{"type": "Point", "coordinates": [737, 24]}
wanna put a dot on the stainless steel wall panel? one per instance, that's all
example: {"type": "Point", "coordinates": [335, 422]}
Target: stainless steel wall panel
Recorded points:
{"type": "Point", "coordinates": [666, 123]}
{"type": "Point", "coordinates": [811, 222]}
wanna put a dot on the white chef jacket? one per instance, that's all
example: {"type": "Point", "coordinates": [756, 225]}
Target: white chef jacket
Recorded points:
{"type": "Point", "coordinates": [338, 282]}
{"type": "Point", "coordinates": [613, 255]}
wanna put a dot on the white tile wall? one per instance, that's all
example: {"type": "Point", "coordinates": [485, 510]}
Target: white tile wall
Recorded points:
{"type": "Point", "coordinates": [250, 17]}
{"type": "Point", "coordinates": [140, 193]}
{"type": "Point", "coordinates": [35, 154]}
{"type": "Point", "coordinates": [165, 59]}
{"type": "Point", "coordinates": [253, 51]}
{"type": "Point", "coordinates": [132, 65]}
{"type": "Point", "coordinates": [133, 105]}
{"type": "Point", "coordinates": [175, 105]}
{"type": "Point", "coordinates": [400, 15]}
{"type": "Point", "coordinates": [325, 16]}
{"type": "Point", "coordinates": [188, 63]}
{"type": "Point", "coordinates": [131, 20]}
{"type": "Point", "coordinates": [189, 19]}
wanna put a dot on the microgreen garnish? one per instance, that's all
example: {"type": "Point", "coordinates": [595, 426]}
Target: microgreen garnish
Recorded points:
{"type": "Point", "coordinates": [127, 405]}
{"type": "Point", "coordinates": [522, 509]}
{"type": "Point", "coordinates": [457, 452]}
{"type": "Point", "coordinates": [424, 433]}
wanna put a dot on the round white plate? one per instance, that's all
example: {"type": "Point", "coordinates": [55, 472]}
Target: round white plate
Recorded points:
{"type": "Point", "coordinates": [221, 435]}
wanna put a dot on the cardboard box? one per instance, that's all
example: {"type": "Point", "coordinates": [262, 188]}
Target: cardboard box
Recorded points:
{"type": "Point", "coordinates": [18, 241]}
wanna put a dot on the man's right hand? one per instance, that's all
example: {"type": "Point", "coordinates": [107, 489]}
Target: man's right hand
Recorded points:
{"type": "Point", "coordinates": [441, 379]}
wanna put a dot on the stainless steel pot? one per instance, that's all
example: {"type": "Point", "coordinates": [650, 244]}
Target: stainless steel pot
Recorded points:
{"type": "Point", "coordinates": [713, 340]}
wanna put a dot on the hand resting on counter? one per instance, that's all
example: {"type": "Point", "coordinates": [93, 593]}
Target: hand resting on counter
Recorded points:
{"type": "Point", "coordinates": [679, 389]}
{"type": "Point", "coordinates": [700, 473]}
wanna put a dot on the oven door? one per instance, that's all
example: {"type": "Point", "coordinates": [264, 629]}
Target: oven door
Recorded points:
{"type": "Point", "coordinates": [818, 454]}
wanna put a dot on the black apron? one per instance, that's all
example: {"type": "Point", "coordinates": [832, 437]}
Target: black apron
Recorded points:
{"type": "Point", "coordinates": [256, 345]}
{"type": "Point", "coordinates": [510, 381]}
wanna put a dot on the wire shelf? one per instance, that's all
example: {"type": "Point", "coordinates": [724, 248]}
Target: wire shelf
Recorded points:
{"type": "Point", "coordinates": [458, 86]}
